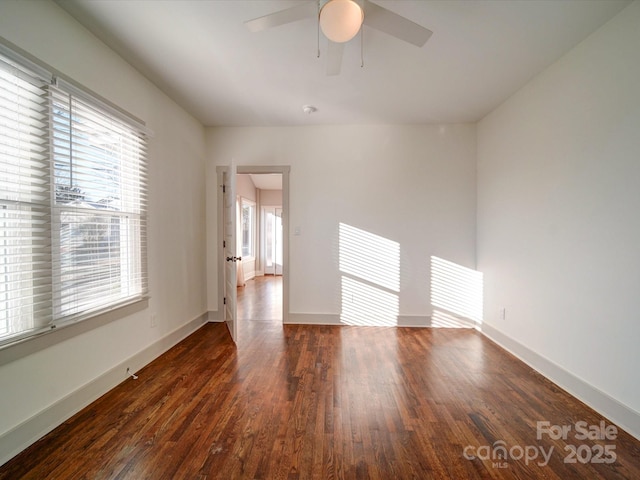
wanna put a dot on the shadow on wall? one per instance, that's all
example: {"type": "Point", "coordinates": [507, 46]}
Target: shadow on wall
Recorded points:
{"type": "Point", "coordinates": [370, 284]}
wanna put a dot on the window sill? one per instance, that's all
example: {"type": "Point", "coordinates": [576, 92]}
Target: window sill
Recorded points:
{"type": "Point", "coordinates": [40, 341]}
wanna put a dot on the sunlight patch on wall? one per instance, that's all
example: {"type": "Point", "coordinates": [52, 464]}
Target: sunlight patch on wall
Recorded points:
{"type": "Point", "coordinates": [370, 267]}
{"type": "Point", "coordinates": [456, 294]}
{"type": "Point", "coordinates": [371, 257]}
{"type": "Point", "coordinates": [363, 304]}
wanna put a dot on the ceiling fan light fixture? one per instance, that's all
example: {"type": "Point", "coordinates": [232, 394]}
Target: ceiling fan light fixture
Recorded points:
{"type": "Point", "coordinates": [340, 20]}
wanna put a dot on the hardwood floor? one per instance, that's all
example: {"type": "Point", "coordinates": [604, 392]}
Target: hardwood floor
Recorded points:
{"type": "Point", "coordinates": [261, 299]}
{"type": "Point", "coordinates": [318, 402]}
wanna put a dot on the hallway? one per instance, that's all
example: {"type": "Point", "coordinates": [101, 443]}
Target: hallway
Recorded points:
{"type": "Point", "coordinates": [261, 299]}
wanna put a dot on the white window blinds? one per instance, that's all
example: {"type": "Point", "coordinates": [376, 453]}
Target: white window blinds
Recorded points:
{"type": "Point", "coordinates": [98, 210]}
{"type": "Point", "coordinates": [25, 236]}
{"type": "Point", "coordinates": [72, 205]}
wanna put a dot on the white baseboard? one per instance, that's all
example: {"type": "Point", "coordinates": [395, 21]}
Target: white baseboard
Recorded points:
{"type": "Point", "coordinates": [618, 413]}
{"type": "Point", "coordinates": [414, 321]}
{"type": "Point", "coordinates": [249, 276]}
{"type": "Point", "coordinates": [215, 316]}
{"type": "Point", "coordinates": [433, 321]}
{"type": "Point", "coordinates": [334, 319]}
{"type": "Point", "coordinates": [28, 432]}
{"type": "Point", "coordinates": [314, 318]}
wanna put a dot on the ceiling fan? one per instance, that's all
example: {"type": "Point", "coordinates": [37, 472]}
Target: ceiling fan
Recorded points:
{"type": "Point", "coordinates": [341, 20]}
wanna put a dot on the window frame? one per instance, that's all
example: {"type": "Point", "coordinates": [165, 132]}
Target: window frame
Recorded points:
{"type": "Point", "coordinates": [57, 328]}
{"type": "Point", "coordinates": [245, 202]}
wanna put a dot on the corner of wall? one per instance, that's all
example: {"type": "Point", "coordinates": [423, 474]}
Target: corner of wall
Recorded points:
{"type": "Point", "coordinates": [620, 414]}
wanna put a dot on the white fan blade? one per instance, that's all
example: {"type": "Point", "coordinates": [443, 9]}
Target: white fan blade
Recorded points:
{"type": "Point", "coordinates": [334, 57]}
{"type": "Point", "coordinates": [395, 25]}
{"type": "Point", "coordinates": [293, 14]}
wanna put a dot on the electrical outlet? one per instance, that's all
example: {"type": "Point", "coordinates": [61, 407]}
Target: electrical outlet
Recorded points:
{"type": "Point", "coordinates": [152, 320]}
{"type": "Point", "coordinates": [503, 313]}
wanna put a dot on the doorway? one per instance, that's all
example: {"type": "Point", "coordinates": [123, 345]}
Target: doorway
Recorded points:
{"type": "Point", "coordinates": [265, 275]}
{"type": "Point", "coordinates": [259, 234]}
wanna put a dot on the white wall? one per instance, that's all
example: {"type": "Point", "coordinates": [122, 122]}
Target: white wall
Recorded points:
{"type": "Point", "coordinates": [34, 383]}
{"type": "Point", "coordinates": [247, 190]}
{"type": "Point", "coordinates": [245, 187]}
{"type": "Point", "coordinates": [558, 221]}
{"type": "Point", "coordinates": [271, 198]}
{"type": "Point", "coordinates": [414, 185]}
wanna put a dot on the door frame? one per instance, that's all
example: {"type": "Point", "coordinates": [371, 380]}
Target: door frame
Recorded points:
{"type": "Point", "coordinates": [283, 170]}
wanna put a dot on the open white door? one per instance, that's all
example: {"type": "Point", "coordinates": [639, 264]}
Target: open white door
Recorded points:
{"type": "Point", "coordinates": [229, 258]}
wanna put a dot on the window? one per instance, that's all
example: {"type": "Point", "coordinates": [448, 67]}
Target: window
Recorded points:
{"type": "Point", "coordinates": [72, 203]}
{"type": "Point", "coordinates": [248, 220]}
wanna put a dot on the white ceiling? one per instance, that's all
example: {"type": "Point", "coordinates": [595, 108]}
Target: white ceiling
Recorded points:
{"type": "Point", "coordinates": [200, 54]}
{"type": "Point", "coordinates": [267, 181]}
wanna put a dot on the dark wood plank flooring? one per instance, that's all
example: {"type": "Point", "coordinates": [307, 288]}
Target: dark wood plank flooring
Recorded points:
{"type": "Point", "coordinates": [319, 402]}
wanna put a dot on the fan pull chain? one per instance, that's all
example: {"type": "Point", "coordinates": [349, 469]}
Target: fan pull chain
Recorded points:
{"type": "Point", "coordinates": [362, 47]}
{"type": "Point", "coordinates": [362, 40]}
{"type": "Point", "coordinates": [318, 32]}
